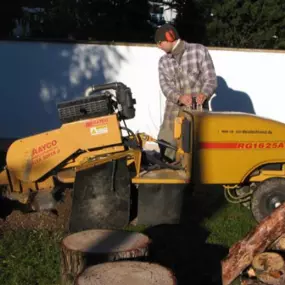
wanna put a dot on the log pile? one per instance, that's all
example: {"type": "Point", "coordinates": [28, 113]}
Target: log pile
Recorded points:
{"type": "Point", "coordinates": [259, 258]}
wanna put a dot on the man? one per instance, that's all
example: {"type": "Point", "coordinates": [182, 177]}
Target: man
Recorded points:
{"type": "Point", "coordinates": [186, 70]}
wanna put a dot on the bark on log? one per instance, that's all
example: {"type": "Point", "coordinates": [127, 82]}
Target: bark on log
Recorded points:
{"type": "Point", "coordinates": [269, 268]}
{"type": "Point", "coordinates": [83, 249]}
{"type": "Point", "coordinates": [251, 282]}
{"type": "Point", "coordinates": [279, 244]}
{"type": "Point", "coordinates": [256, 241]}
{"type": "Point", "coordinates": [126, 273]}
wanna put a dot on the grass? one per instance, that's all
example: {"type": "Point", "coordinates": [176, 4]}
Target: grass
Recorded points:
{"type": "Point", "coordinates": [29, 257]}
{"type": "Point", "coordinates": [32, 257]}
{"type": "Point", "coordinates": [229, 224]}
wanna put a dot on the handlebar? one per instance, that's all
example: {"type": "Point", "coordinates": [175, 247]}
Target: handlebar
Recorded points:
{"type": "Point", "coordinates": [195, 105]}
{"type": "Point", "coordinates": [101, 87]}
{"type": "Point", "coordinates": [124, 98]}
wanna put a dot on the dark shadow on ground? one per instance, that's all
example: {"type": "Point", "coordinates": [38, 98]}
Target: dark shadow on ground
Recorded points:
{"type": "Point", "coordinates": [183, 248]}
{"type": "Point", "coordinates": [228, 99]}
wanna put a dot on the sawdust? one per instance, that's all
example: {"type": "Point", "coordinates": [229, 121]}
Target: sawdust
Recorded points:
{"type": "Point", "coordinates": [39, 220]}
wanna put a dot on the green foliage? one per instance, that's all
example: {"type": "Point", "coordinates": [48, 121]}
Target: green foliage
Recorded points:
{"type": "Point", "coordinates": [9, 14]}
{"type": "Point", "coordinates": [232, 23]}
{"type": "Point", "coordinates": [247, 24]}
{"type": "Point", "coordinates": [191, 20]}
{"type": "Point", "coordinates": [102, 20]}
{"type": "Point", "coordinates": [228, 23]}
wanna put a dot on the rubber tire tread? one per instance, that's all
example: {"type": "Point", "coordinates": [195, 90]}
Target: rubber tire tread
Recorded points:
{"type": "Point", "coordinates": [264, 189]}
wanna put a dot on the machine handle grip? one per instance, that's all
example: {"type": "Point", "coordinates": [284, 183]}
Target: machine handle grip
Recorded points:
{"type": "Point", "coordinates": [195, 105]}
{"type": "Point", "coordinates": [94, 88]}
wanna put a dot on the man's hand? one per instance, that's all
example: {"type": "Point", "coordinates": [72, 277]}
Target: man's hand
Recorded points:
{"type": "Point", "coordinates": [201, 99]}
{"type": "Point", "coordinates": [186, 99]}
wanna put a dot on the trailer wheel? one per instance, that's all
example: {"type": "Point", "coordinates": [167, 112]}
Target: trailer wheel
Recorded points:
{"type": "Point", "coordinates": [268, 196]}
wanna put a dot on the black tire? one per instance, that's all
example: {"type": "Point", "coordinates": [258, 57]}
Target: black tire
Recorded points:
{"type": "Point", "coordinates": [267, 197]}
{"type": "Point", "coordinates": [95, 204]}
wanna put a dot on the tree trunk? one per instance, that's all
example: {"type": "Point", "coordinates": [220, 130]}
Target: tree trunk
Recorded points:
{"type": "Point", "coordinates": [83, 249]}
{"type": "Point", "coordinates": [256, 241]}
{"type": "Point", "coordinates": [127, 273]}
{"type": "Point", "coordinates": [269, 268]}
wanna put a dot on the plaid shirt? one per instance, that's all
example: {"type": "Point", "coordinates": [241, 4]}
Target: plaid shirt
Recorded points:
{"type": "Point", "coordinates": [195, 75]}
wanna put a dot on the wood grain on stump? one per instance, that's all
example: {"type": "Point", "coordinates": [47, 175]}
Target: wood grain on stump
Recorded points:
{"type": "Point", "coordinates": [126, 273]}
{"type": "Point", "coordinates": [83, 249]}
{"type": "Point", "coordinates": [269, 267]}
{"type": "Point", "coordinates": [256, 241]}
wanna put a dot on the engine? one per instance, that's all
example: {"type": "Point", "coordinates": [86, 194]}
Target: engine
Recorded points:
{"type": "Point", "coordinates": [94, 105]}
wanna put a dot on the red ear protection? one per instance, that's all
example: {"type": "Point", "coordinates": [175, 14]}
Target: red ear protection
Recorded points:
{"type": "Point", "coordinates": [170, 36]}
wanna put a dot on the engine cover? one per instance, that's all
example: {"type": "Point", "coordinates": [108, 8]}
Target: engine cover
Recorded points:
{"type": "Point", "coordinates": [84, 108]}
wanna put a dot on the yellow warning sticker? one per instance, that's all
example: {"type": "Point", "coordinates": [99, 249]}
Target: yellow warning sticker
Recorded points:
{"type": "Point", "coordinates": [99, 130]}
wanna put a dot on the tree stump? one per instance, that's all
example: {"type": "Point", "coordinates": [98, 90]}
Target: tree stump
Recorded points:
{"type": "Point", "coordinates": [126, 273]}
{"type": "Point", "coordinates": [91, 247]}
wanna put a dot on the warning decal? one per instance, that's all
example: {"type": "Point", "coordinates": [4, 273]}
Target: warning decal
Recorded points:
{"type": "Point", "coordinates": [96, 122]}
{"type": "Point", "coordinates": [99, 130]}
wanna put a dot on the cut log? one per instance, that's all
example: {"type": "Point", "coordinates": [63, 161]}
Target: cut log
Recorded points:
{"type": "Point", "coordinates": [269, 267]}
{"type": "Point", "coordinates": [279, 244]}
{"type": "Point", "coordinates": [83, 249]}
{"type": "Point", "coordinates": [256, 241]}
{"type": "Point", "coordinates": [267, 261]}
{"type": "Point", "coordinates": [126, 273]}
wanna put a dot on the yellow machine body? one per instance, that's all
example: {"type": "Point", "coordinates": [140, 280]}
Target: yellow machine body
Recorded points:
{"type": "Point", "coordinates": [30, 160]}
{"type": "Point", "coordinates": [233, 147]}
{"type": "Point", "coordinates": [229, 148]}
{"type": "Point", "coordinates": [226, 148]}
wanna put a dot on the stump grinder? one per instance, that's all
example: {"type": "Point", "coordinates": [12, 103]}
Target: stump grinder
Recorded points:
{"type": "Point", "coordinates": [114, 178]}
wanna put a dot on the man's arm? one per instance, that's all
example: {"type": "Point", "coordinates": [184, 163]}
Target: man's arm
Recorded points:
{"type": "Point", "coordinates": [167, 86]}
{"type": "Point", "coordinates": [208, 73]}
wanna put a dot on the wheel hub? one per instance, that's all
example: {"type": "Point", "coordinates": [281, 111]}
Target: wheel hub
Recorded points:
{"type": "Point", "coordinates": [275, 202]}
{"type": "Point", "coordinates": [268, 196]}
